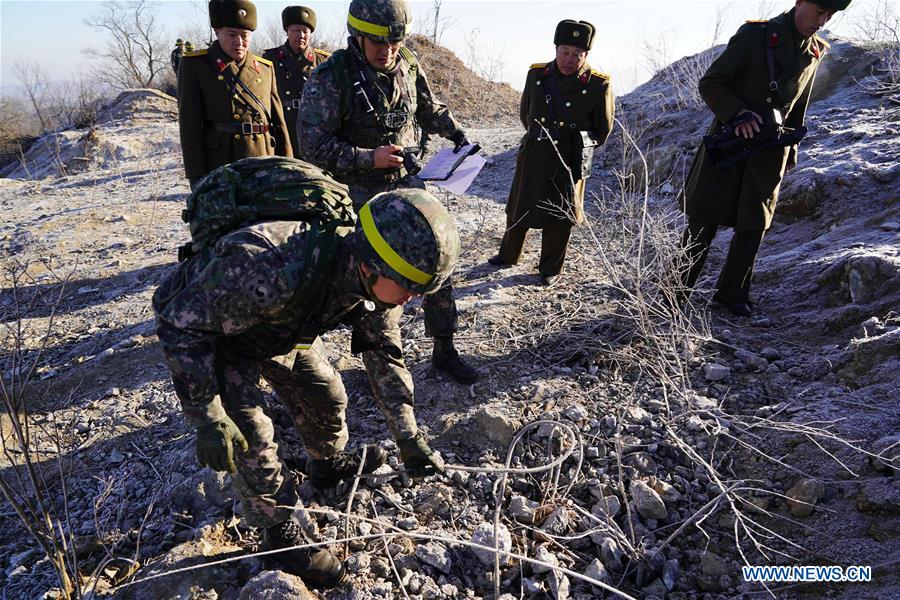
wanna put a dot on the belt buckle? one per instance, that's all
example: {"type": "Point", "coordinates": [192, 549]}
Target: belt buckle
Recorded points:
{"type": "Point", "coordinates": [295, 102]}
{"type": "Point", "coordinates": [773, 86]}
{"type": "Point", "coordinates": [246, 128]}
{"type": "Point", "coordinates": [543, 134]}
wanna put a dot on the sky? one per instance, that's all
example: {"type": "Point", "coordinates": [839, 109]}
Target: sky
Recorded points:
{"type": "Point", "coordinates": [503, 36]}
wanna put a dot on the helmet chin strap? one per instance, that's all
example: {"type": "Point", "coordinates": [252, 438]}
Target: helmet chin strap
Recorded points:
{"type": "Point", "coordinates": [369, 285]}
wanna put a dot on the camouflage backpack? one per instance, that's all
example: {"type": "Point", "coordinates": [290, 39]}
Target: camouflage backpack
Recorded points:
{"type": "Point", "coordinates": [263, 189]}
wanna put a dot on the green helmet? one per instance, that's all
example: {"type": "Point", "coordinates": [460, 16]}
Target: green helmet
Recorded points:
{"type": "Point", "coordinates": [408, 236]}
{"type": "Point", "coordinates": [380, 20]}
{"type": "Point", "coordinates": [179, 42]}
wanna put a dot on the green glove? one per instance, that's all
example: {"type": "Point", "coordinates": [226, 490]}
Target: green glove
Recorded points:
{"type": "Point", "coordinates": [418, 459]}
{"type": "Point", "coordinates": [215, 445]}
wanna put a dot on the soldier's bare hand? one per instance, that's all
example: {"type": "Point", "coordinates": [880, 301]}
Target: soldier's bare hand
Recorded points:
{"type": "Point", "coordinates": [385, 157]}
{"type": "Point", "coordinates": [749, 128]}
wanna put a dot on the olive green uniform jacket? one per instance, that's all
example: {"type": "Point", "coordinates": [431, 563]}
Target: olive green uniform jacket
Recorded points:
{"type": "Point", "coordinates": [292, 69]}
{"type": "Point", "coordinates": [585, 103]}
{"type": "Point", "coordinates": [744, 196]}
{"type": "Point", "coordinates": [205, 99]}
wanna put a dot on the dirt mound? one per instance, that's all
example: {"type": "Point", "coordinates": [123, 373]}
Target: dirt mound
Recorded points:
{"type": "Point", "coordinates": [140, 104]}
{"type": "Point", "coordinates": [473, 100]}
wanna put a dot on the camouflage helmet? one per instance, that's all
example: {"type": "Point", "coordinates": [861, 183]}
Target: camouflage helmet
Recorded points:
{"type": "Point", "coordinates": [380, 20]}
{"type": "Point", "coordinates": [408, 236]}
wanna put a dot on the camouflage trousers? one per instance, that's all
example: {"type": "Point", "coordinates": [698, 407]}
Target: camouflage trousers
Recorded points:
{"type": "Point", "coordinates": [313, 393]}
{"type": "Point", "coordinates": [441, 318]}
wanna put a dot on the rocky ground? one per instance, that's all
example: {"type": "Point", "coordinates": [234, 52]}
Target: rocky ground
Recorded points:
{"type": "Point", "coordinates": [687, 437]}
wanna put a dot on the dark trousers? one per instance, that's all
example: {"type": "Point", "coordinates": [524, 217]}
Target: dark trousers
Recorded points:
{"type": "Point", "coordinates": [554, 243]}
{"type": "Point", "coordinates": [734, 280]}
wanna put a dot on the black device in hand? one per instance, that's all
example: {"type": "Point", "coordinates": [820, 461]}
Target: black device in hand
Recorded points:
{"type": "Point", "coordinates": [726, 149]}
{"type": "Point", "coordinates": [410, 156]}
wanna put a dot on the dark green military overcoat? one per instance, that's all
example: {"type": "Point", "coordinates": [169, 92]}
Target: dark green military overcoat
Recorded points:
{"type": "Point", "coordinates": [586, 103]}
{"type": "Point", "coordinates": [206, 107]}
{"type": "Point", "coordinates": [292, 69]}
{"type": "Point", "coordinates": [744, 196]}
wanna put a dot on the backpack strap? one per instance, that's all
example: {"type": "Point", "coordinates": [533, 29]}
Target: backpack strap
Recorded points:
{"type": "Point", "coordinates": [309, 282]}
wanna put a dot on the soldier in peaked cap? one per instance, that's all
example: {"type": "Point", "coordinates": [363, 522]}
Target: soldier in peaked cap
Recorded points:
{"type": "Point", "coordinates": [228, 104]}
{"type": "Point", "coordinates": [567, 107]}
{"type": "Point", "coordinates": [294, 61]}
{"type": "Point", "coordinates": [360, 109]}
{"type": "Point", "coordinates": [765, 74]}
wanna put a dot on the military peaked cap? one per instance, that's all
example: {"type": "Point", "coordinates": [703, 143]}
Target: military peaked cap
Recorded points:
{"type": "Point", "coordinates": [298, 15]}
{"type": "Point", "coordinates": [574, 33]}
{"type": "Point", "coordinates": [832, 4]}
{"type": "Point", "coordinates": [240, 14]}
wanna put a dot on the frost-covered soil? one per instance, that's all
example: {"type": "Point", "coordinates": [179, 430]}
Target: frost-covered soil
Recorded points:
{"type": "Point", "coordinates": [102, 211]}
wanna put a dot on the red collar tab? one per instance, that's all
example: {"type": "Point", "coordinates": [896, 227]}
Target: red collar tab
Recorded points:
{"type": "Point", "coordinates": [281, 53]}
{"type": "Point", "coordinates": [310, 57]}
{"type": "Point", "coordinates": [547, 70]}
{"type": "Point", "coordinates": [773, 39]}
{"type": "Point", "coordinates": [584, 77]}
{"type": "Point", "coordinates": [221, 64]}
{"type": "Point", "coordinates": [815, 49]}
{"type": "Point", "coordinates": [256, 67]}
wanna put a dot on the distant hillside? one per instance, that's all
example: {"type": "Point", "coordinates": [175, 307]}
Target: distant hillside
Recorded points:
{"type": "Point", "coordinates": [473, 100]}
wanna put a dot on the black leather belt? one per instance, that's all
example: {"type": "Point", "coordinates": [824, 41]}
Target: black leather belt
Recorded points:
{"type": "Point", "coordinates": [244, 128]}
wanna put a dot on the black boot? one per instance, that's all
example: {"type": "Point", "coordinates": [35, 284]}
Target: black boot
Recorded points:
{"type": "Point", "coordinates": [315, 566]}
{"type": "Point", "coordinates": [445, 358]}
{"type": "Point", "coordinates": [328, 472]}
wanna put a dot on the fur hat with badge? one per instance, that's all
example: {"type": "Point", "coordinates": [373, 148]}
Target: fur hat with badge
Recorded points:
{"type": "Point", "coordinates": [574, 33]}
{"type": "Point", "coordinates": [298, 15]}
{"type": "Point", "coordinates": [240, 14]}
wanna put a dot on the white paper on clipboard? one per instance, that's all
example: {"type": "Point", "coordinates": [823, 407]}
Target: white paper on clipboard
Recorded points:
{"type": "Point", "coordinates": [445, 161]}
{"type": "Point", "coordinates": [461, 178]}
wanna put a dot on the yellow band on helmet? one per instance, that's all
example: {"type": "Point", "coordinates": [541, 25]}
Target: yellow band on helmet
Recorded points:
{"type": "Point", "coordinates": [387, 254]}
{"type": "Point", "coordinates": [370, 28]}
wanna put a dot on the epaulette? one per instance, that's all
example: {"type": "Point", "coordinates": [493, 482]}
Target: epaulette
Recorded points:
{"type": "Point", "coordinates": [822, 41]}
{"type": "Point", "coordinates": [322, 52]}
{"type": "Point", "coordinates": [600, 74]}
{"type": "Point", "coordinates": [195, 53]}
{"type": "Point", "coordinates": [265, 61]}
{"type": "Point", "coordinates": [538, 66]}
{"type": "Point", "coordinates": [757, 21]}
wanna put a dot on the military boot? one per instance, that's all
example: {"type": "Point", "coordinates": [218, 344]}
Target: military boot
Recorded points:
{"type": "Point", "coordinates": [328, 472]}
{"type": "Point", "coordinates": [315, 566]}
{"type": "Point", "coordinates": [445, 358]}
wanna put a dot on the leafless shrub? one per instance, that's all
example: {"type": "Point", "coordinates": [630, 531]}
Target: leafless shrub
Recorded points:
{"type": "Point", "coordinates": [683, 75]}
{"type": "Point", "coordinates": [36, 471]}
{"type": "Point", "coordinates": [879, 30]}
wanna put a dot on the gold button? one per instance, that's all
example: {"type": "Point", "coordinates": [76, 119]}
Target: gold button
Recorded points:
{"type": "Point", "coordinates": [289, 92]}
{"type": "Point", "coordinates": [584, 91]}
{"type": "Point", "coordinates": [543, 119]}
{"type": "Point", "coordinates": [538, 83]}
{"type": "Point", "coordinates": [258, 80]}
{"type": "Point", "coordinates": [237, 136]}
{"type": "Point", "coordinates": [237, 117]}
{"type": "Point", "coordinates": [568, 104]}
{"type": "Point", "coordinates": [220, 78]}
{"type": "Point", "coordinates": [561, 123]}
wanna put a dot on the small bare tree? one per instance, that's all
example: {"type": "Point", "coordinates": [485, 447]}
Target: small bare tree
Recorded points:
{"type": "Point", "coordinates": [35, 85]}
{"type": "Point", "coordinates": [440, 24]}
{"type": "Point", "coordinates": [136, 52]}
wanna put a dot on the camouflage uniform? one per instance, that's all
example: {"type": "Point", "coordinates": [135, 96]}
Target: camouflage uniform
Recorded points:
{"type": "Point", "coordinates": [336, 132]}
{"type": "Point", "coordinates": [223, 316]}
